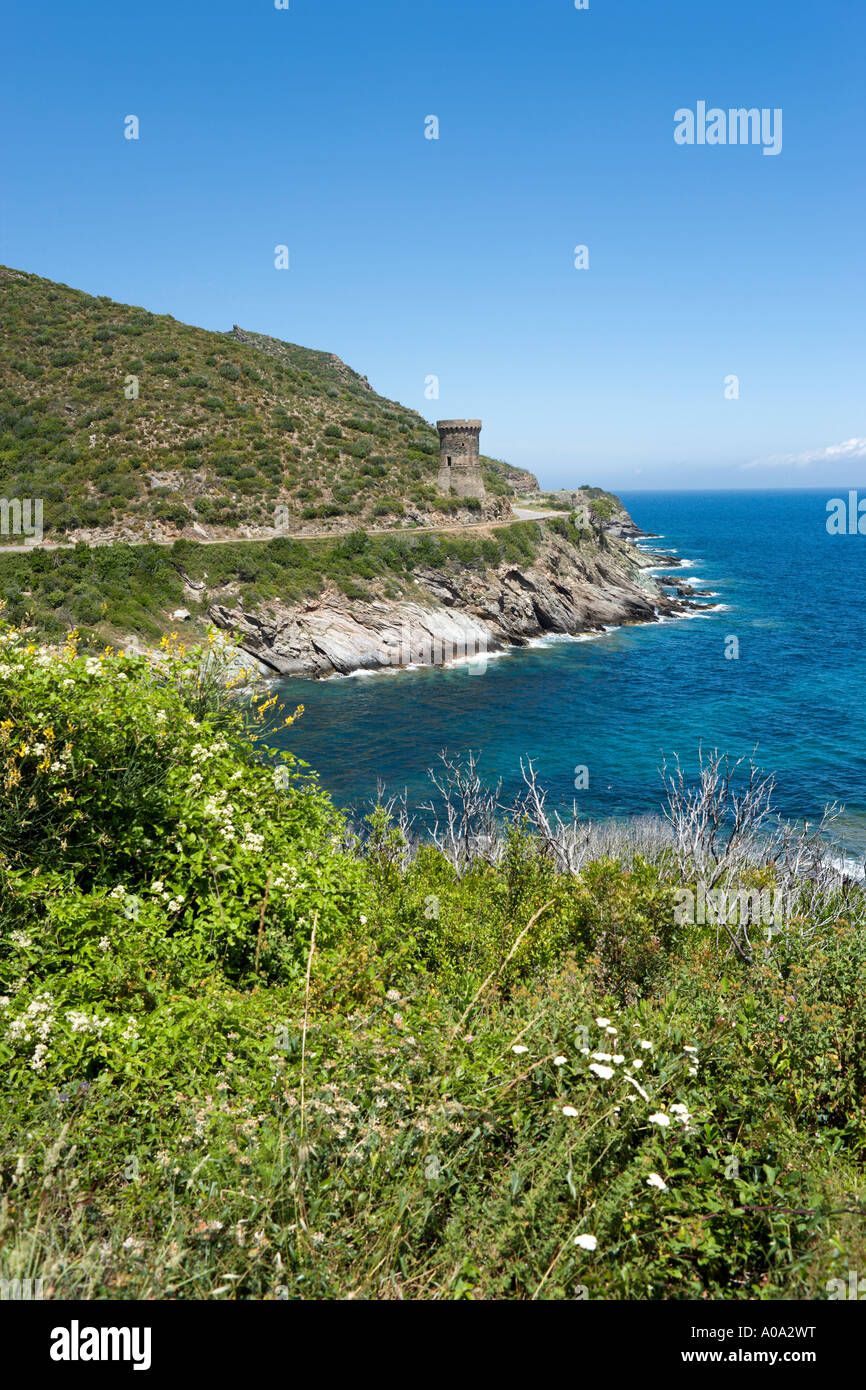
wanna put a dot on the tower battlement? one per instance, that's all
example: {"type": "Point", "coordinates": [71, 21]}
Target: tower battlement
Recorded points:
{"type": "Point", "coordinates": [459, 462]}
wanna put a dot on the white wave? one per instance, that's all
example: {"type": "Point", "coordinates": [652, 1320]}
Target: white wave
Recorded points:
{"type": "Point", "coordinates": [846, 864]}
{"type": "Point", "coordinates": [705, 611]}
{"type": "Point", "coordinates": [477, 658]}
{"type": "Point", "coordinates": [556, 639]}
{"type": "Point", "coordinates": [361, 673]}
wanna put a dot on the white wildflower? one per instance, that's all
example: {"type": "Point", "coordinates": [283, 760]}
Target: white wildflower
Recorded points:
{"type": "Point", "coordinates": [604, 1072]}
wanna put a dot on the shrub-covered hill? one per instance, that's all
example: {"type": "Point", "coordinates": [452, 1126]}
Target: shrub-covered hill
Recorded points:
{"type": "Point", "coordinates": [225, 426]}
{"type": "Point", "coordinates": [250, 1055]}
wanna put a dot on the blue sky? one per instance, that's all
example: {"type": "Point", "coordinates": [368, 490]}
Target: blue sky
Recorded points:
{"type": "Point", "coordinates": [455, 257]}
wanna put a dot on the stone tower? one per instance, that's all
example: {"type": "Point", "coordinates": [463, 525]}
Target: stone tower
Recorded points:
{"type": "Point", "coordinates": [459, 465]}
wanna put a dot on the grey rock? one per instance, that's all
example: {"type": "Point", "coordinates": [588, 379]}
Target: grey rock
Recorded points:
{"type": "Point", "coordinates": [568, 588]}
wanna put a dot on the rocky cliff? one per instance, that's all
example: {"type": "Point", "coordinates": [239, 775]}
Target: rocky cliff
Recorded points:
{"type": "Point", "coordinates": [571, 586]}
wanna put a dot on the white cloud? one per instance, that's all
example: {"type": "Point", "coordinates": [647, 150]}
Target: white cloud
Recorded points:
{"type": "Point", "coordinates": [834, 453]}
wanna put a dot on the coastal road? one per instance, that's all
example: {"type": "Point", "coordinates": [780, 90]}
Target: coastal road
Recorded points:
{"type": "Point", "coordinates": [519, 514]}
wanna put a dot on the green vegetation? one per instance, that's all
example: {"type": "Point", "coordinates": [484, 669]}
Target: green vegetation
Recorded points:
{"type": "Point", "coordinates": [250, 1054]}
{"type": "Point", "coordinates": [112, 593]}
{"type": "Point", "coordinates": [602, 509]}
{"type": "Point", "coordinates": [118, 419]}
{"type": "Point", "coordinates": [500, 478]}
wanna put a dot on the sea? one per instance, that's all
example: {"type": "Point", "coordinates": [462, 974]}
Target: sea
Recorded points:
{"type": "Point", "coordinates": [773, 665]}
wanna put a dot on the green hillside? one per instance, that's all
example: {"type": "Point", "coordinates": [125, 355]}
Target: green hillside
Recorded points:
{"type": "Point", "coordinates": [225, 427]}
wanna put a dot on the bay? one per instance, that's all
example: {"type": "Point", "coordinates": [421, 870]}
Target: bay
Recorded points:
{"type": "Point", "coordinates": [789, 592]}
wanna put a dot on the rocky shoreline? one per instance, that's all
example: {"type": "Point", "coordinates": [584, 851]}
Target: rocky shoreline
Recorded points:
{"type": "Point", "coordinates": [570, 588]}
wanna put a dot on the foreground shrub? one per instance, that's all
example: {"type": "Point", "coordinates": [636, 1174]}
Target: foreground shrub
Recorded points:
{"type": "Point", "coordinates": [140, 783]}
{"type": "Point", "coordinates": [247, 1059]}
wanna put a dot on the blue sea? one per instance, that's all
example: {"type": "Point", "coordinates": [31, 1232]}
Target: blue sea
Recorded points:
{"type": "Point", "coordinates": [794, 597]}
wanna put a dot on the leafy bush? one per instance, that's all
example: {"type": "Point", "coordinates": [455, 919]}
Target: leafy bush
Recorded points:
{"type": "Point", "coordinates": [118, 778]}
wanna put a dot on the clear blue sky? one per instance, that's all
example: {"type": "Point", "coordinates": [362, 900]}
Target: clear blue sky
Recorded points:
{"type": "Point", "coordinates": [412, 257]}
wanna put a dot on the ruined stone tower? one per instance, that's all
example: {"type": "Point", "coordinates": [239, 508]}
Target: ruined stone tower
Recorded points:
{"type": "Point", "coordinates": [459, 465]}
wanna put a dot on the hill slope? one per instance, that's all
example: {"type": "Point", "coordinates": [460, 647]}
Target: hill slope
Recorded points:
{"type": "Point", "coordinates": [224, 428]}
{"type": "Point", "coordinates": [133, 427]}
